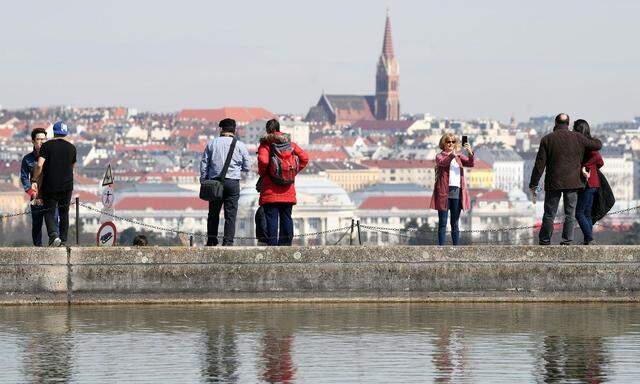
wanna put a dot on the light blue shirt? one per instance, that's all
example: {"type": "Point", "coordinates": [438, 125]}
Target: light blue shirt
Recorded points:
{"type": "Point", "coordinates": [215, 154]}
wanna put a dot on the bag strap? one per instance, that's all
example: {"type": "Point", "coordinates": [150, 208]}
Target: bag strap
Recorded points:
{"type": "Point", "coordinates": [228, 160]}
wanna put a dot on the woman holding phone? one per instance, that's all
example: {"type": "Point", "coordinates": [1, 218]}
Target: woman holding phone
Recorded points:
{"type": "Point", "coordinates": [450, 191]}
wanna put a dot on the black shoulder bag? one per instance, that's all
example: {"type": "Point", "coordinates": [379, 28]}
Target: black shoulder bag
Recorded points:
{"type": "Point", "coordinates": [212, 190]}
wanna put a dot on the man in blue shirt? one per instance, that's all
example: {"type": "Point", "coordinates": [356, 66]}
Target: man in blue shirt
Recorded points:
{"type": "Point", "coordinates": [211, 165]}
{"type": "Point", "coordinates": [29, 162]}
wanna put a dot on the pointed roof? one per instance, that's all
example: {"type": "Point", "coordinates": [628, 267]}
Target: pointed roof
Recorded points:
{"type": "Point", "coordinates": [387, 45]}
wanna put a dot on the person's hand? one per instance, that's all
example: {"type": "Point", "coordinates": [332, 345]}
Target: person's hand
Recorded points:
{"type": "Point", "coordinates": [33, 193]}
{"type": "Point", "coordinates": [467, 146]}
{"type": "Point", "coordinates": [586, 173]}
{"type": "Point", "coordinates": [534, 194]}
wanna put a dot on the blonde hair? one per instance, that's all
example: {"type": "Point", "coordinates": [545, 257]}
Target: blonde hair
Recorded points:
{"type": "Point", "coordinates": [447, 136]}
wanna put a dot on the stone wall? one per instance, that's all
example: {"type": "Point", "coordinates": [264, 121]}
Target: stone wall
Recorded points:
{"type": "Point", "coordinates": [284, 274]}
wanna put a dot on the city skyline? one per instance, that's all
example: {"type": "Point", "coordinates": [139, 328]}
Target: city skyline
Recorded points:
{"type": "Point", "coordinates": [494, 60]}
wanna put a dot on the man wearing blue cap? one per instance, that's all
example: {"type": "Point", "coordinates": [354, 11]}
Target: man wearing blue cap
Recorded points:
{"type": "Point", "coordinates": [55, 165]}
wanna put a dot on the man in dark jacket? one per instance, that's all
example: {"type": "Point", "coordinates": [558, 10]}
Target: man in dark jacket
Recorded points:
{"type": "Point", "coordinates": [55, 164]}
{"type": "Point", "coordinates": [560, 153]}
{"type": "Point", "coordinates": [29, 162]}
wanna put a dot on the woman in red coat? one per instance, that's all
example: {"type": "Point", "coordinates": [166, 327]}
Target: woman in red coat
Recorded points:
{"type": "Point", "coordinates": [277, 200]}
{"type": "Point", "coordinates": [590, 165]}
{"type": "Point", "coordinates": [450, 191]}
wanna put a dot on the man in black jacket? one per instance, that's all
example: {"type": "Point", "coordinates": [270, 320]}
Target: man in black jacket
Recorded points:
{"type": "Point", "coordinates": [560, 153]}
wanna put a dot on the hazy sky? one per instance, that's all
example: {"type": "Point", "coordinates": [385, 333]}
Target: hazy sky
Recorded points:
{"type": "Point", "coordinates": [457, 58]}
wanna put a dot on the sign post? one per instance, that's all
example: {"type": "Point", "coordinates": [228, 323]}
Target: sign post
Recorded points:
{"type": "Point", "coordinates": [107, 233]}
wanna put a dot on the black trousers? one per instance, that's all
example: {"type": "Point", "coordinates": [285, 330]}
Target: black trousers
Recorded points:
{"type": "Point", "coordinates": [551, 202]}
{"type": "Point", "coordinates": [230, 202]}
{"type": "Point", "coordinates": [60, 200]}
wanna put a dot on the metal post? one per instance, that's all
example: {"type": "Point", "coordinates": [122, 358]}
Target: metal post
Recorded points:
{"type": "Point", "coordinates": [191, 240]}
{"type": "Point", "coordinates": [359, 237]}
{"type": "Point", "coordinates": [353, 222]}
{"type": "Point", "coordinates": [77, 220]}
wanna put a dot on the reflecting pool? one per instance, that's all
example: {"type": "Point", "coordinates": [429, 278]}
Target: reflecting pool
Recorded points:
{"type": "Point", "coordinates": [323, 343]}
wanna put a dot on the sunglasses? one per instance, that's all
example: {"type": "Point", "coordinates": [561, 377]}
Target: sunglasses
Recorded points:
{"type": "Point", "coordinates": [451, 141]}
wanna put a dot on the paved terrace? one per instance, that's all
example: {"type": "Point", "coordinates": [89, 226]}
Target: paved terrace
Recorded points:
{"type": "Point", "coordinates": [319, 274]}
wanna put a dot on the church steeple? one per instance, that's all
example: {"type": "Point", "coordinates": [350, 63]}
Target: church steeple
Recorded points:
{"type": "Point", "coordinates": [387, 45]}
{"type": "Point", "coordinates": [387, 106]}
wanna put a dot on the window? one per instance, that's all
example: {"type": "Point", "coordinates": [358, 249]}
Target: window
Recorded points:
{"type": "Point", "coordinates": [314, 224]}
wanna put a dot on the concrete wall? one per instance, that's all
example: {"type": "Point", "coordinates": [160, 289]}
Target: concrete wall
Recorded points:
{"type": "Point", "coordinates": [254, 274]}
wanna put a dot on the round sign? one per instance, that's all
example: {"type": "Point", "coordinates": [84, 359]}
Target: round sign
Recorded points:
{"type": "Point", "coordinates": [107, 196]}
{"type": "Point", "coordinates": [106, 236]}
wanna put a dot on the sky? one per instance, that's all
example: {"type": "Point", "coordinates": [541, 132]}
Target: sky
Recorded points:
{"type": "Point", "coordinates": [458, 59]}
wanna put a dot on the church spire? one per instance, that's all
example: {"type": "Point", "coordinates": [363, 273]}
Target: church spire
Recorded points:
{"type": "Point", "coordinates": [387, 45]}
{"type": "Point", "coordinates": [387, 100]}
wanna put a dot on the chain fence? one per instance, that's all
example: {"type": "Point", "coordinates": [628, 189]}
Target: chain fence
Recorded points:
{"type": "Point", "coordinates": [356, 230]}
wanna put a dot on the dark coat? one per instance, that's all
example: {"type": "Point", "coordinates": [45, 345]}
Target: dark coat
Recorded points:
{"type": "Point", "coordinates": [603, 201]}
{"type": "Point", "coordinates": [561, 152]}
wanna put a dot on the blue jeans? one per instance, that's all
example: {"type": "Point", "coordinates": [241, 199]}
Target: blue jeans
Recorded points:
{"type": "Point", "coordinates": [278, 215]}
{"type": "Point", "coordinates": [37, 219]}
{"type": "Point", "coordinates": [455, 206]}
{"type": "Point", "coordinates": [583, 212]}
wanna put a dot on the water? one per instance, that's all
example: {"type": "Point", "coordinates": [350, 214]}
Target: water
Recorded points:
{"type": "Point", "coordinates": [368, 343]}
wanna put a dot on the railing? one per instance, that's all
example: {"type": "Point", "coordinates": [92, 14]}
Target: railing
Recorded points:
{"type": "Point", "coordinates": [355, 230]}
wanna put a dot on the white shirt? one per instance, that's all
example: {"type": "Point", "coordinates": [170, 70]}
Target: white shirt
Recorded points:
{"type": "Point", "coordinates": [454, 174]}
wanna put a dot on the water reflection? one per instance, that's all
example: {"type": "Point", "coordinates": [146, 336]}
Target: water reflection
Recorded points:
{"type": "Point", "coordinates": [48, 347]}
{"type": "Point", "coordinates": [403, 343]}
{"type": "Point", "coordinates": [276, 358]}
{"type": "Point", "coordinates": [449, 359]}
{"type": "Point", "coordinates": [220, 354]}
{"type": "Point", "coordinates": [573, 359]}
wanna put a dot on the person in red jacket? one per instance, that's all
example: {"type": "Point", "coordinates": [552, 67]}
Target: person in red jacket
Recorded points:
{"type": "Point", "coordinates": [590, 165]}
{"type": "Point", "coordinates": [277, 198]}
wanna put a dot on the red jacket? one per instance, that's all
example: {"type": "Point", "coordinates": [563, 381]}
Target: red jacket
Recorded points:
{"type": "Point", "coordinates": [271, 192]}
{"type": "Point", "coordinates": [593, 163]}
{"type": "Point", "coordinates": [440, 197]}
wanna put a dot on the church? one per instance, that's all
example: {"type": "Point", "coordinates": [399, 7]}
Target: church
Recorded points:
{"type": "Point", "coordinates": [384, 105]}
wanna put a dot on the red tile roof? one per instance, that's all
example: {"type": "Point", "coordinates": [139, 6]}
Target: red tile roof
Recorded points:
{"type": "Point", "coordinates": [87, 197]}
{"type": "Point", "coordinates": [488, 195]}
{"type": "Point", "coordinates": [239, 114]}
{"type": "Point", "coordinates": [479, 164]}
{"type": "Point", "coordinates": [161, 203]}
{"type": "Point", "coordinates": [6, 133]}
{"type": "Point", "coordinates": [397, 202]}
{"type": "Point", "coordinates": [335, 155]}
{"type": "Point", "coordinates": [402, 164]}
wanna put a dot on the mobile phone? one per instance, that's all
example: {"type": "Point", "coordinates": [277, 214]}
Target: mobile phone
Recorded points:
{"type": "Point", "coordinates": [465, 140]}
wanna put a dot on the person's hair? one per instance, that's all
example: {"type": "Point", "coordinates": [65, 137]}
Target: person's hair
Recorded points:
{"type": "Point", "coordinates": [581, 126]}
{"type": "Point", "coordinates": [140, 240]}
{"type": "Point", "coordinates": [35, 132]}
{"type": "Point", "coordinates": [272, 126]}
{"type": "Point", "coordinates": [227, 125]}
{"type": "Point", "coordinates": [562, 119]}
{"type": "Point", "coordinates": [446, 136]}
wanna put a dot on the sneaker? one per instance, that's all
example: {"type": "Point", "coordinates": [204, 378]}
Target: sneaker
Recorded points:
{"type": "Point", "coordinates": [592, 242]}
{"type": "Point", "coordinates": [55, 242]}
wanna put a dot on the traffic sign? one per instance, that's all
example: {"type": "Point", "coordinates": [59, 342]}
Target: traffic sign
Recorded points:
{"type": "Point", "coordinates": [107, 234]}
{"type": "Point", "coordinates": [108, 177]}
{"type": "Point", "coordinates": [107, 196]}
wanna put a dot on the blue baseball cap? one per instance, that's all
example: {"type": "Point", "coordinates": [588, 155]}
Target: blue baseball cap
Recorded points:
{"type": "Point", "coordinates": [60, 129]}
